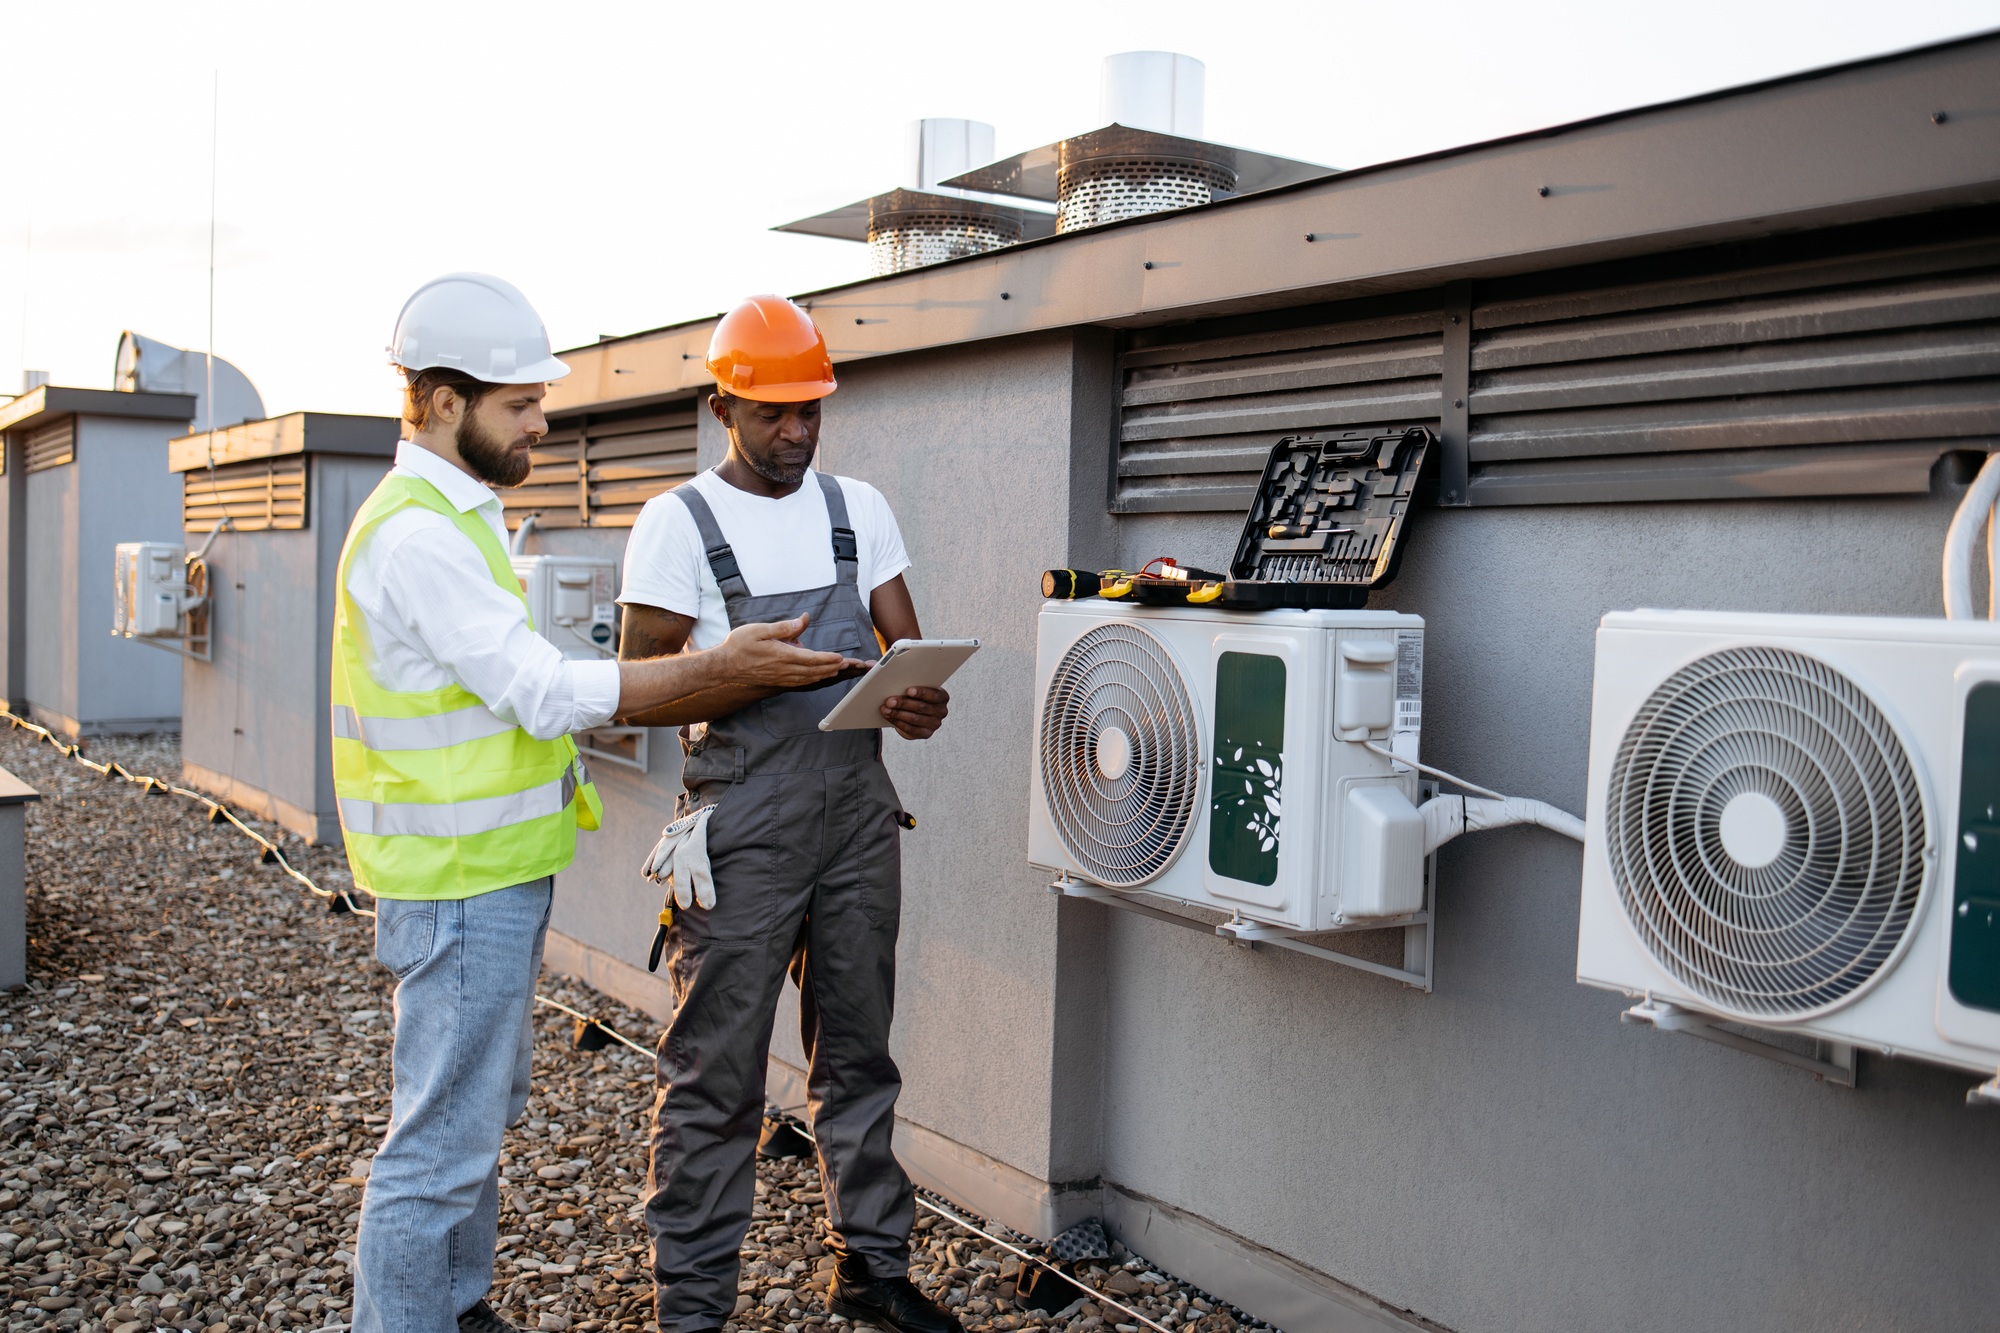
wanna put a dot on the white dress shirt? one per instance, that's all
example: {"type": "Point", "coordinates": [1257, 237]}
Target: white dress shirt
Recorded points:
{"type": "Point", "coordinates": [434, 616]}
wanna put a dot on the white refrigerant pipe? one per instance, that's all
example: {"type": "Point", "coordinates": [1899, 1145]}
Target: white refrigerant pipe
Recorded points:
{"type": "Point", "coordinates": [1445, 817]}
{"type": "Point", "coordinates": [1975, 511]}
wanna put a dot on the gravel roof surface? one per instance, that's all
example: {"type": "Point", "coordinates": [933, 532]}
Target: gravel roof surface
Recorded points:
{"type": "Point", "coordinates": [195, 1080]}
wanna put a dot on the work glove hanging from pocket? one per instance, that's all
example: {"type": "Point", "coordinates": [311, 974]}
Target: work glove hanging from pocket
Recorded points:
{"type": "Point", "coordinates": [680, 860]}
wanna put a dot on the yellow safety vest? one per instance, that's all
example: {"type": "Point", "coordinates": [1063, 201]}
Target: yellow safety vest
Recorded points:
{"type": "Point", "coordinates": [438, 797]}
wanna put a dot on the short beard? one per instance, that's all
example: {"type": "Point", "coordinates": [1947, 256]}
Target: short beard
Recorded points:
{"type": "Point", "coordinates": [487, 458]}
{"type": "Point", "coordinates": [772, 472]}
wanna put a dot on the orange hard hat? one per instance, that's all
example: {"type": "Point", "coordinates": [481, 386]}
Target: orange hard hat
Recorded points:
{"type": "Point", "coordinates": [769, 350]}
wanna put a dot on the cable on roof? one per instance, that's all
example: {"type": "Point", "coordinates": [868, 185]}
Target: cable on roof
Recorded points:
{"type": "Point", "coordinates": [341, 901]}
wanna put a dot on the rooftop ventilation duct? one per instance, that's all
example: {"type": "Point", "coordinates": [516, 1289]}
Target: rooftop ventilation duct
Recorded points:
{"type": "Point", "coordinates": [1149, 158]}
{"type": "Point", "coordinates": [923, 222]}
{"type": "Point", "coordinates": [147, 365]}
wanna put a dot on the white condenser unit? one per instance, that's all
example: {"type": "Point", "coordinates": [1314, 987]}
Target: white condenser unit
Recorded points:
{"type": "Point", "coordinates": [1220, 758]}
{"type": "Point", "coordinates": [151, 590]}
{"type": "Point", "coordinates": [573, 601]}
{"type": "Point", "coordinates": [1794, 824]}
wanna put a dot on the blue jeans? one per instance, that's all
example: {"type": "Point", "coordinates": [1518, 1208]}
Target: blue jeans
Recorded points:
{"type": "Point", "coordinates": [465, 996]}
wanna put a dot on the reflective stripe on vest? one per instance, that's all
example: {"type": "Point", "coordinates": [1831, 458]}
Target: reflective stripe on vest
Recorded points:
{"type": "Point", "coordinates": [418, 733]}
{"type": "Point", "coordinates": [460, 819]}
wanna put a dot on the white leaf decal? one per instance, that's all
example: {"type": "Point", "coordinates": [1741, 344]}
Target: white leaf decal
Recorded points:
{"type": "Point", "coordinates": [1267, 844]}
{"type": "Point", "coordinates": [1271, 804]}
{"type": "Point", "coordinates": [1264, 768]}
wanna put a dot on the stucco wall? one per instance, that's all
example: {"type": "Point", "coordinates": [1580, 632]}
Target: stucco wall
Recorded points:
{"type": "Point", "coordinates": [13, 573]}
{"type": "Point", "coordinates": [1503, 1154]}
{"type": "Point", "coordinates": [272, 630]}
{"type": "Point", "coordinates": [117, 490]}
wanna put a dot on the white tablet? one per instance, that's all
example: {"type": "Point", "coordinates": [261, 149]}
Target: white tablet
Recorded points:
{"type": "Point", "coordinates": [908, 662]}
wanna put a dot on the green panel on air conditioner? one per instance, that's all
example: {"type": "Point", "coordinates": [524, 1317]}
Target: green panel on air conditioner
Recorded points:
{"type": "Point", "coordinates": [1974, 974]}
{"type": "Point", "coordinates": [1246, 788]}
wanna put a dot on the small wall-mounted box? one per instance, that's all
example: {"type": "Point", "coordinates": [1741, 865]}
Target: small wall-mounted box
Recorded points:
{"type": "Point", "coordinates": [573, 601]}
{"type": "Point", "coordinates": [150, 592]}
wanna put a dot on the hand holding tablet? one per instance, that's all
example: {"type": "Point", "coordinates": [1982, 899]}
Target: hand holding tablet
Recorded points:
{"type": "Point", "coordinates": [909, 663]}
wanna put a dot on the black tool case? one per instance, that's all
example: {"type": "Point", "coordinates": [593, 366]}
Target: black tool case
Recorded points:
{"type": "Point", "coordinates": [1328, 519]}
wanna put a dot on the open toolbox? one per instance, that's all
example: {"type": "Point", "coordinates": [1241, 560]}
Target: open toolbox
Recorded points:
{"type": "Point", "coordinates": [1325, 527]}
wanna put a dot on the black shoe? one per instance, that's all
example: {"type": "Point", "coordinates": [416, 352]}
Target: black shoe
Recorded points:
{"type": "Point", "coordinates": [886, 1302]}
{"type": "Point", "coordinates": [481, 1319]}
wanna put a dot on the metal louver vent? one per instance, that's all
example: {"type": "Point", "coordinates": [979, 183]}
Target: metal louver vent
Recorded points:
{"type": "Point", "coordinates": [1121, 755]}
{"type": "Point", "coordinates": [1767, 833]}
{"type": "Point", "coordinates": [52, 446]}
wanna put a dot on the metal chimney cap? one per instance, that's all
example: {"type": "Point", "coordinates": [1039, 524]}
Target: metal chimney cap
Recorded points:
{"type": "Point", "coordinates": [940, 146]}
{"type": "Point", "coordinates": [1034, 174]}
{"type": "Point", "coordinates": [1161, 91]}
{"type": "Point", "coordinates": [855, 221]}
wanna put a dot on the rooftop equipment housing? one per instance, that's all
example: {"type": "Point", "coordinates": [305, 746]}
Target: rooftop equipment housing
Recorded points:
{"type": "Point", "coordinates": [85, 469]}
{"type": "Point", "coordinates": [147, 365]}
{"type": "Point", "coordinates": [1149, 158]}
{"type": "Point", "coordinates": [924, 222]}
{"type": "Point", "coordinates": [255, 713]}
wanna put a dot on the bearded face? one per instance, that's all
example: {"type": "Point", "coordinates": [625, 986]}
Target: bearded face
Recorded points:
{"type": "Point", "coordinates": [494, 459]}
{"type": "Point", "coordinates": [776, 440]}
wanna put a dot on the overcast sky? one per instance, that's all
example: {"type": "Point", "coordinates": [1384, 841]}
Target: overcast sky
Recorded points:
{"type": "Point", "coordinates": [622, 163]}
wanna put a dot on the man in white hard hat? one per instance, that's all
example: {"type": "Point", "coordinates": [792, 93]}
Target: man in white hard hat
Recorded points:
{"type": "Point", "coordinates": [459, 788]}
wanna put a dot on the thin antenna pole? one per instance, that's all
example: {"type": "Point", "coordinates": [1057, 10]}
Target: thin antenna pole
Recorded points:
{"type": "Point", "coordinates": [214, 121]}
{"type": "Point", "coordinates": [27, 277]}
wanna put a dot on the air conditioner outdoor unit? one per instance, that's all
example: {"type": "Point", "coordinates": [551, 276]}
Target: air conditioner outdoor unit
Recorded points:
{"type": "Point", "coordinates": [1218, 758]}
{"type": "Point", "coordinates": [572, 599]}
{"type": "Point", "coordinates": [151, 590]}
{"type": "Point", "coordinates": [1794, 824]}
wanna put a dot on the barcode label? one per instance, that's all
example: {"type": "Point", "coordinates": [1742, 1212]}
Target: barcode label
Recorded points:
{"type": "Point", "coordinates": [1409, 694]}
{"type": "Point", "coordinates": [1409, 665]}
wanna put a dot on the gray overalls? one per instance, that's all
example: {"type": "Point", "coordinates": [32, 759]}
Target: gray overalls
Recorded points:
{"type": "Point", "coordinates": [808, 874]}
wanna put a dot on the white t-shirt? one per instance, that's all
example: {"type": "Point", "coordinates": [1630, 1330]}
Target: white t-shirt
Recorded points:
{"type": "Point", "coordinates": [783, 545]}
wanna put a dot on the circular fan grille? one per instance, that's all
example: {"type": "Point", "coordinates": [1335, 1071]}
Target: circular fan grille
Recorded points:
{"type": "Point", "coordinates": [1120, 755]}
{"type": "Point", "coordinates": [1766, 832]}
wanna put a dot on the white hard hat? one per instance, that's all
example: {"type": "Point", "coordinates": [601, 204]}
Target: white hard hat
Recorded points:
{"type": "Point", "coordinates": [478, 324]}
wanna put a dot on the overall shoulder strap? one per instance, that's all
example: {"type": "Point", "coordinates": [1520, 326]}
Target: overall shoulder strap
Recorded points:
{"type": "Point", "coordinates": [846, 550]}
{"type": "Point", "coordinates": [721, 560]}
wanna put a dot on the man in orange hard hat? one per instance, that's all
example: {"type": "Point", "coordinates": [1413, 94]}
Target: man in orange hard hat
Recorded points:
{"type": "Point", "coordinates": [802, 868]}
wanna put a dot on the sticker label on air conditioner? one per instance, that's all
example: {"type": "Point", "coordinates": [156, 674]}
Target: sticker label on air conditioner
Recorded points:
{"type": "Point", "coordinates": [1409, 693]}
{"type": "Point", "coordinates": [1409, 677]}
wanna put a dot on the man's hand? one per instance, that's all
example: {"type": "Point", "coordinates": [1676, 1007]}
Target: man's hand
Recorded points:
{"type": "Point", "coordinates": [917, 712]}
{"type": "Point", "coordinates": [769, 656]}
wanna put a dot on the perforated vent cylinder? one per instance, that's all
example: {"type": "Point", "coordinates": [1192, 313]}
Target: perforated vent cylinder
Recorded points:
{"type": "Point", "coordinates": [1090, 193]}
{"type": "Point", "coordinates": [912, 240]}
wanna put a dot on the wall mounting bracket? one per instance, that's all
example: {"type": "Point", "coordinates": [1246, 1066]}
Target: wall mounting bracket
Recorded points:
{"type": "Point", "coordinates": [625, 746]}
{"type": "Point", "coordinates": [1415, 972]}
{"type": "Point", "coordinates": [1833, 1061]}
